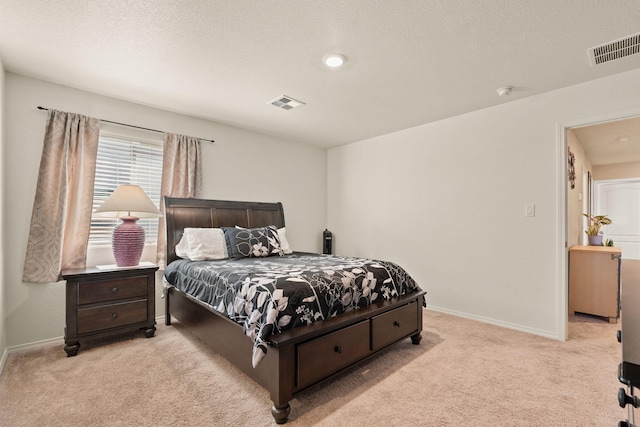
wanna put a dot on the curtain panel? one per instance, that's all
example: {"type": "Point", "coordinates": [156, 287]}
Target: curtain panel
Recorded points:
{"type": "Point", "coordinates": [61, 215]}
{"type": "Point", "coordinates": [181, 177]}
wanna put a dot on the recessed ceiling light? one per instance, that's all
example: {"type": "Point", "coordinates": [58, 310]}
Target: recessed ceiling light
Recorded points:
{"type": "Point", "coordinates": [333, 60]}
{"type": "Point", "coordinates": [624, 139]}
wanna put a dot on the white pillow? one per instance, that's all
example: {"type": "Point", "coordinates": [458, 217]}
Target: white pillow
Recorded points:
{"type": "Point", "coordinates": [202, 244]}
{"type": "Point", "coordinates": [284, 243]}
{"type": "Point", "coordinates": [181, 247]}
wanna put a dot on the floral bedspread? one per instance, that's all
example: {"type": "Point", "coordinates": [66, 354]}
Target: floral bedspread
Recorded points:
{"type": "Point", "coordinates": [270, 295]}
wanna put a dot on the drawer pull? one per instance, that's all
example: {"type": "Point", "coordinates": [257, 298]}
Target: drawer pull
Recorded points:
{"type": "Point", "coordinates": [624, 399]}
{"type": "Point", "coordinates": [338, 349]}
{"type": "Point", "coordinates": [114, 315]}
{"type": "Point", "coordinates": [114, 289]}
{"type": "Point", "coordinates": [396, 323]}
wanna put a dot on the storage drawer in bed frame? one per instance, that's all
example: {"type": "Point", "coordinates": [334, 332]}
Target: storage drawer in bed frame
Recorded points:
{"type": "Point", "coordinates": [348, 345]}
{"type": "Point", "coordinates": [393, 325]}
{"type": "Point", "coordinates": [341, 348]}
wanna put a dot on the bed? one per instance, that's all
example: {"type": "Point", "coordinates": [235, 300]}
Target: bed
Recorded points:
{"type": "Point", "coordinates": [287, 360]}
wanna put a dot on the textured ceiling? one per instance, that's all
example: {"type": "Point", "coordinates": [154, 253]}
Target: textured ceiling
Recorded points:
{"type": "Point", "coordinates": [408, 62]}
{"type": "Point", "coordinates": [612, 142]}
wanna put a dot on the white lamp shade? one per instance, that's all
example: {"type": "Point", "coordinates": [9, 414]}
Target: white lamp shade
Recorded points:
{"type": "Point", "coordinates": [128, 200]}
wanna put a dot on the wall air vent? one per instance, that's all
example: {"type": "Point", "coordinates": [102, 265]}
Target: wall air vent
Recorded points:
{"type": "Point", "coordinates": [286, 102]}
{"type": "Point", "coordinates": [616, 49]}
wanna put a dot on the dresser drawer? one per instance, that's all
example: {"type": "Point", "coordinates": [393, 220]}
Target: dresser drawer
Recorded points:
{"type": "Point", "coordinates": [111, 316]}
{"type": "Point", "coordinates": [341, 348]}
{"type": "Point", "coordinates": [393, 325]}
{"type": "Point", "coordinates": [94, 291]}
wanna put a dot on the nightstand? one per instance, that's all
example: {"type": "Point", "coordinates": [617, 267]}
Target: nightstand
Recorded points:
{"type": "Point", "coordinates": [102, 302]}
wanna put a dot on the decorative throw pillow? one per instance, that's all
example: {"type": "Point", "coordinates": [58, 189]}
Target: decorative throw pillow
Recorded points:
{"type": "Point", "coordinates": [284, 243]}
{"type": "Point", "coordinates": [252, 242]}
{"type": "Point", "coordinates": [200, 244]}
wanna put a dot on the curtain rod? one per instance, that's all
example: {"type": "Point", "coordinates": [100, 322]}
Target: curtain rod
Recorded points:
{"type": "Point", "coordinates": [131, 126]}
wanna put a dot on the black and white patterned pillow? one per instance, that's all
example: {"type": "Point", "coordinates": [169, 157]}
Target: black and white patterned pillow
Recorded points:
{"type": "Point", "coordinates": [252, 242]}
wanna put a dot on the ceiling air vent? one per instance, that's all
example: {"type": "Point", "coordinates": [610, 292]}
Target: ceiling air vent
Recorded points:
{"type": "Point", "coordinates": [286, 102]}
{"type": "Point", "coordinates": [616, 49]}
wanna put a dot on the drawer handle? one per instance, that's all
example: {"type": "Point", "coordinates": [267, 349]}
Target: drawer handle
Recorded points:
{"type": "Point", "coordinates": [396, 323]}
{"type": "Point", "coordinates": [338, 349]}
{"type": "Point", "coordinates": [114, 315]}
{"type": "Point", "coordinates": [114, 289]}
{"type": "Point", "coordinates": [624, 399]}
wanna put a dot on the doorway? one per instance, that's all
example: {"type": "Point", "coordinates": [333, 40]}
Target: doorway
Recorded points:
{"type": "Point", "coordinates": [610, 167]}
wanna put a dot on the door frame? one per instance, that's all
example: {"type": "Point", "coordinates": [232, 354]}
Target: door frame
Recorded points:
{"type": "Point", "coordinates": [562, 280]}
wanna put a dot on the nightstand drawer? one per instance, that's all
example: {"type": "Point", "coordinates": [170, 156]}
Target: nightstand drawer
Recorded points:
{"type": "Point", "coordinates": [90, 292]}
{"type": "Point", "coordinates": [111, 316]}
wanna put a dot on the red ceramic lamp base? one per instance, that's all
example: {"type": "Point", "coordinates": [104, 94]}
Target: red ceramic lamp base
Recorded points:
{"type": "Point", "coordinates": [128, 242]}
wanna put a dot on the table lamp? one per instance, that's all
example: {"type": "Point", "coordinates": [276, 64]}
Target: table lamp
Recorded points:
{"type": "Point", "coordinates": [129, 203]}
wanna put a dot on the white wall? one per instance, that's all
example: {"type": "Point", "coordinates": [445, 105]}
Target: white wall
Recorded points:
{"type": "Point", "coordinates": [617, 171]}
{"type": "Point", "coordinates": [447, 201]}
{"type": "Point", "coordinates": [241, 165]}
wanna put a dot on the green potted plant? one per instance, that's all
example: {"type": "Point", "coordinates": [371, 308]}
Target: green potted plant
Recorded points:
{"type": "Point", "coordinates": [593, 229]}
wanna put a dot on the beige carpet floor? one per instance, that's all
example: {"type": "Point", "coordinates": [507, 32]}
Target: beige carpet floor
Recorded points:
{"type": "Point", "coordinates": [464, 373]}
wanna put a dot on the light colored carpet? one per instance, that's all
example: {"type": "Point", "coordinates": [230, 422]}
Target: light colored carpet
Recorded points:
{"type": "Point", "coordinates": [464, 373]}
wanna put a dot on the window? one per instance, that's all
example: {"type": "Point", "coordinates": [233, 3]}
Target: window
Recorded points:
{"type": "Point", "coordinates": [120, 161]}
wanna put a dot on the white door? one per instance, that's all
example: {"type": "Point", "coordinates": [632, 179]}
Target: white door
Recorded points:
{"type": "Point", "coordinates": [620, 201]}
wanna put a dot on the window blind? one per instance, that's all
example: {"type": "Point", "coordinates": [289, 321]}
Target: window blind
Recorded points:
{"type": "Point", "coordinates": [125, 161]}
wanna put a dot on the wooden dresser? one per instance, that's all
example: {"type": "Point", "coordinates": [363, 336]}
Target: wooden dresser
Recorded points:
{"type": "Point", "coordinates": [105, 302]}
{"type": "Point", "coordinates": [594, 281]}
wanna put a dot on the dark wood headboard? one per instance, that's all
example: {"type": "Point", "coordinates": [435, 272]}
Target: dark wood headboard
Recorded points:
{"type": "Point", "coordinates": [199, 213]}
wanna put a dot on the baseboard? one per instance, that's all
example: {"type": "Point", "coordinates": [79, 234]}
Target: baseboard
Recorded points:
{"type": "Point", "coordinates": [36, 345]}
{"type": "Point", "coordinates": [508, 325]}
{"type": "Point", "coordinates": [3, 360]}
{"type": "Point", "coordinates": [29, 346]}
{"type": "Point", "coordinates": [44, 343]}
{"type": "Point", "coordinates": [160, 319]}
